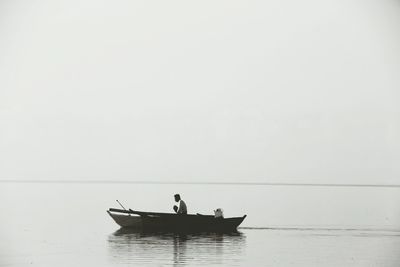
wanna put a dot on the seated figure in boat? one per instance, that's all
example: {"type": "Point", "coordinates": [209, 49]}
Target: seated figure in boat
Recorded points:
{"type": "Point", "coordinates": [182, 209]}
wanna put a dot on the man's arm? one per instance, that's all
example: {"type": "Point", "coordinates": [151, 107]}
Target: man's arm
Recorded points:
{"type": "Point", "coordinates": [180, 210]}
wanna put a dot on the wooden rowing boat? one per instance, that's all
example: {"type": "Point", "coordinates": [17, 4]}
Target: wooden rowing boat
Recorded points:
{"type": "Point", "coordinates": [174, 222]}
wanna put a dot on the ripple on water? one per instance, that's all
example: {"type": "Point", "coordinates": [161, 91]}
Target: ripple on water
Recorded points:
{"type": "Point", "coordinates": [130, 246]}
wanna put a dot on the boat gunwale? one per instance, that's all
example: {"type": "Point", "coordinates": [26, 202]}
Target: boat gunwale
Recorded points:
{"type": "Point", "coordinates": [163, 214]}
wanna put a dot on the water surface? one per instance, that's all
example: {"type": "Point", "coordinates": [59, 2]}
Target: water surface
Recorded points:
{"type": "Point", "coordinates": [56, 224]}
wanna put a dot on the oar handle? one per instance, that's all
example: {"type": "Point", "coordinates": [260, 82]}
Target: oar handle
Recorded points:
{"type": "Point", "coordinates": [120, 204]}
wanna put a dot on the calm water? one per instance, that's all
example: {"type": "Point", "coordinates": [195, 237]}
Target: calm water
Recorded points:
{"type": "Point", "coordinates": [66, 224]}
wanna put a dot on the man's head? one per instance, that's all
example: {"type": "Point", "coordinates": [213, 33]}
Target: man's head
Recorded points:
{"type": "Point", "coordinates": [177, 197]}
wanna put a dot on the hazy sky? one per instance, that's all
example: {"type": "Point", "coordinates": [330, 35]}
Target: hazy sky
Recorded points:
{"type": "Point", "coordinates": [267, 91]}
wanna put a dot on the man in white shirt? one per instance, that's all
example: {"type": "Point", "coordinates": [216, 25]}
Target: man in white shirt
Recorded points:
{"type": "Point", "coordinates": [182, 205]}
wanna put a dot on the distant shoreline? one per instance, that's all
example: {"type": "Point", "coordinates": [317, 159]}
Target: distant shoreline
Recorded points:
{"type": "Point", "coordinates": [200, 183]}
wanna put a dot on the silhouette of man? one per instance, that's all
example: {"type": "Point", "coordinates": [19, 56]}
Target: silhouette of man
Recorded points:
{"type": "Point", "coordinates": [182, 209]}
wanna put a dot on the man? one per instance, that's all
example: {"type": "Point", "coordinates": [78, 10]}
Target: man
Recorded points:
{"type": "Point", "coordinates": [182, 205]}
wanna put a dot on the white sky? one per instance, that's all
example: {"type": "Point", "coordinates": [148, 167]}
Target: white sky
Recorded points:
{"type": "Point", "coordinates": [265, 91]}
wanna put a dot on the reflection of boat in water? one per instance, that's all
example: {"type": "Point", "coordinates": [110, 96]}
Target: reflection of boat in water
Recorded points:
{"type": "Point", "coordinates": [174, 222]}
{"type": "Point", "coordinates": [134, 246]}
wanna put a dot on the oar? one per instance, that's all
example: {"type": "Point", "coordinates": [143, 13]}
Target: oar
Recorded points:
{"type": "Point", "coordinates": [122, 206]}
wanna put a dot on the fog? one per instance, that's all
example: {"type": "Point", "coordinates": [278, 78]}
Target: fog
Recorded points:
{"type": "Point", "coordinates": [230, 91]}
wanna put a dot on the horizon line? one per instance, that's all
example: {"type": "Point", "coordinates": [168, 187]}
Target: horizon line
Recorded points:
{"type": "Point", "coordinates": [199, 183]}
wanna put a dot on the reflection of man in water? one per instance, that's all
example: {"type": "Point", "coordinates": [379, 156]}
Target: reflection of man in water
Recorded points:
{"type": "Point", "coordinates": [182, 205]}
{"type": "Point", "coordinates": [180, 249]}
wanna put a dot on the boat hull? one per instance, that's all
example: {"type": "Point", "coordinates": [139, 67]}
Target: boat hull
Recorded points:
{"type": "Point", "coordinates": [176, 222]}
{"type": "Point", "coordinates": [126, 220]}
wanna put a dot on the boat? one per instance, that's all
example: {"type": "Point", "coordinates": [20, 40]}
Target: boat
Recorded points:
{"type": "Point", "coordinates": [172, 222]}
